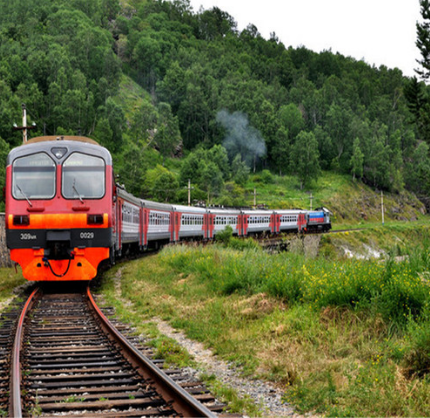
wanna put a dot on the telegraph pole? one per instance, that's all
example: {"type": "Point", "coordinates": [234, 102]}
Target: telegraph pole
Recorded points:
{"type": "Point", "coordinates": [255, 198]}
{"type": "Point", "coordinates": [382, 206]}
{"type": "Point", "coordinates": [24, 128]}
{"type": "Point", "coordinates": [189, 192]}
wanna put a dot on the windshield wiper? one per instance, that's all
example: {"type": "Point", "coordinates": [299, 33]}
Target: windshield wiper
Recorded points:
{"type": "Point", "coordinates": [26, 198]}
{"type": "Point", "coordinates": [76, 190]}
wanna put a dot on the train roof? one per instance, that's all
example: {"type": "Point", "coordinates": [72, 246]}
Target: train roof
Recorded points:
{"type": "Point", "coordinates": [258, 212]}
{"type": "Point", "coordinates": [289, 211]}
{"type": "Point", "coordinates": [224, 211]}
{"type": "Point", "coordinates": [61, 138]}
{"type": "Point", "coordinates": [128, 196]}
{"type": "Point", "coordinates": [192, 209]}
{"type": "Point", "coordinates": [156, 205]}
{"type": "Point", "coordinates": [72, 143]}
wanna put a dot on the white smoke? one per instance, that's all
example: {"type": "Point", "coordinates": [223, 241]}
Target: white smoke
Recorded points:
{"type": "Point", "coordinates": [241, 137]}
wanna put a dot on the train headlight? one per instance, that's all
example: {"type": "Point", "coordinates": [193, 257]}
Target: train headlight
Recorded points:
{"type": "Point", "coordinates": [22, 220]}
{"type": "Point", "coordinates": [59, 152]}
{"type": "Point", "coordinates": [95, 219]}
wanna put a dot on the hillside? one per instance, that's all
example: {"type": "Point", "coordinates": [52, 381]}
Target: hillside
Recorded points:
{"type": "Point", "coordinates": [177, 94]}
{"type": "Point", "coordinates": [351, 202]}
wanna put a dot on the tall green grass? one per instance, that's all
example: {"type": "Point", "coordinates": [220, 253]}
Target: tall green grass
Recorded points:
{"type": "Point", "coordinates": [384, 305]}
{"type": "Point", "coordinates": [394, 290]}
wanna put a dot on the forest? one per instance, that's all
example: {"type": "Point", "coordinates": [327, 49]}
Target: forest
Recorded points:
{"type": "Point", "coordinates": [178, 94]}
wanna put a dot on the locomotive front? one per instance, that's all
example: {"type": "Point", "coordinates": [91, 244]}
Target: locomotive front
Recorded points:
{"type": "Point", "coordinates": [59, 204]}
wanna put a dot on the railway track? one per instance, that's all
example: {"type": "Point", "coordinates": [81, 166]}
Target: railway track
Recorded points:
{"type": "Point", "coordinates": [69, 360]}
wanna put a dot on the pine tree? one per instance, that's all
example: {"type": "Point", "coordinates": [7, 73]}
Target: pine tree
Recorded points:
{"type": "Point", "coordinates": [357, 160]}
{"type": "Point", "coordinates": [423, 40]}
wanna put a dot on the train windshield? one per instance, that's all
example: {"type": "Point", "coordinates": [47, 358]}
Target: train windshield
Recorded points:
{"type": "Point", "coordinates": [83, 177]}
{"type": "Point", "coordinates": [33, 177]}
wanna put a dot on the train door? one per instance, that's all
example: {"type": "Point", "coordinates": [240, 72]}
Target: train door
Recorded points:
{"type": "Point", "coordinates": [211, 225]}
{"type": "Point", "coordinates": [141, 222]}
{"type": "Point", "coordinates": [301, 222]}
{"type": "Point", "coordinates": [272, 223]}
{"type": "Point", "coordinates": [119, 225]}
{"type": "Point", "coordinates": [278, 223]}
{"type": "Point", "coordinates": [145, 226]}
{"type": "Point", "coordinates": [245, 225]}
{"type": "Point", "coordinates": [177, 217]}
{"type": "Point", "coordinates": [240, 225]}
{"type": "Point", "coordinates": [206, 225]}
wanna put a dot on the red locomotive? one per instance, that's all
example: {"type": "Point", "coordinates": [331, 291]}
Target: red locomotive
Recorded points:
{"type": "Point", "coordinates": [59, 206]}
{"type": "Point", "coordinates": [65, 214]}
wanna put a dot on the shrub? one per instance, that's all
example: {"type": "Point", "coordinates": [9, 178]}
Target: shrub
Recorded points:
{"type": "Point", "coordinates": [417, 360]}
{"type": "Point", "coordinates": [266, 177]}
{"type": "Point", "coordinates": [224, 236]}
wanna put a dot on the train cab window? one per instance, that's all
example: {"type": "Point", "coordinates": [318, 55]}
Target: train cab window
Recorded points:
{"type": "Point", "coordinates": [33, 177]}
{"type": "Point", "coordinates": [83, 177]}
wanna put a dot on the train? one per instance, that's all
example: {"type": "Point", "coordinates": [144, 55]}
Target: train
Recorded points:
{"type": "Point", "coordinates": [66, 215]}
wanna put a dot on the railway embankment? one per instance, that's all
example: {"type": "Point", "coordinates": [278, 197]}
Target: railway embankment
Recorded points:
{"type": "Point", "coordinates": [336, 335]}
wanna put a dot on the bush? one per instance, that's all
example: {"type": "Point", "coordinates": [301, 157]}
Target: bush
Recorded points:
{"type": "Point", "coordinates": [266, 177]}
{"type": "Point", "coordinates": [417, 361]}
{"type": "Point", "coordinates": [224, 236]}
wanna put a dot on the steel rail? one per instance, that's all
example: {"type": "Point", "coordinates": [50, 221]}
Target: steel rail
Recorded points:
{"type": "Point", "coordinates": [182, 401]}
{"type": "Point", "coordinates": [15, 404]}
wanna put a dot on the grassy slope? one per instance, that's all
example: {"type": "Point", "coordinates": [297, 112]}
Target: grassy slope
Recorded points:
{"type": "Point", "coordinates": [337, 335]}
{"type": "Point", "coordinates": [351, 202]}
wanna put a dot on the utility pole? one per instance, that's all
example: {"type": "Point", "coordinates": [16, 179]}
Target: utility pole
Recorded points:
{"type": "Point", "coordinates": [382, 206]}
{"type": "Point", "coordinates": [255, 198]}
{"type": "Point", "coordinates": [189, 192]}
{"type": "Point", "coordinates": [24, 128]}
{"type": "Point", "coordinates": [310, 198]}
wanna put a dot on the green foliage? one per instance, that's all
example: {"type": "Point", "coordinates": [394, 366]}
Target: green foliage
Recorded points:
{"type": "Point", "coordinates": [417, 359]}
{"type": "Point", "coordinates": [204, 167]}
{"type": "Point", "coordinates": [357, 160]}
{"type": "Point", "coordinates": [165, 187]}
{"type": "Point", "coordinates": [266, 177]}
{"type": "Point", "coordinates": [225, 236]}
{"type": "Point", "coordinates": [323, 329]}
{"type": "Point", "coordinates": [239, 170]}
{"type": "Point", "coordinates": [305, 158]}
{"type": "Point", "coordinates": [76, 64]}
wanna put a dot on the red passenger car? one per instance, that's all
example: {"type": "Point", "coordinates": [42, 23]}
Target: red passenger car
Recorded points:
{"type": "Point", "coordinates": [59, 206]}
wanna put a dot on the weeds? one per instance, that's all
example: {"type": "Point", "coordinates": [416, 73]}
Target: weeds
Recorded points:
{"type": "Point", "coordinates": [344, 337]}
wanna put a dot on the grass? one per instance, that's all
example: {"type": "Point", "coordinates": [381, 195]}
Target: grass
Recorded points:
{"type": "Point", "coordinates": [140, 317]}
{"type": "Point", "coordinates": [342, 337]}
{"type": "Point", "coordinates": [9, 280]}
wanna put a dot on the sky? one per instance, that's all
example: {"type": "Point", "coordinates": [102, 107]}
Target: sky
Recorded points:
{"type": "Point", "coordinates": [380, 32]}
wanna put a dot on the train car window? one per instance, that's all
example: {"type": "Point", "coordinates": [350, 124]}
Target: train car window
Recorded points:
{"type": "Point", "coordinates": [83, 177]}
{"type": "Point", "coordinates": [33, 177]}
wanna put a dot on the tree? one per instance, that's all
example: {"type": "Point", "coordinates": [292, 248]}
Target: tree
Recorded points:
{"type": "Point", "coordinates": [338, 127]}
{"type": "Point", "coordinates": [165, 187]}
{"type": "Point", "coordinates": [167, 137]}
{"type": "Point", "coordinates": [357, 160]}
{"type": "Point", "coordinates": [240, 171]}
{"type": "Point", "coordinates": [423, 40]}
{"type": "Point", "coordinates": [418, 170]}
{"type": "Point", "coordinates": [304, 158]}
{"type": "Point", "coordinates": [281, 150]}
{"type": "Point", "coordinates": [291, 119]}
